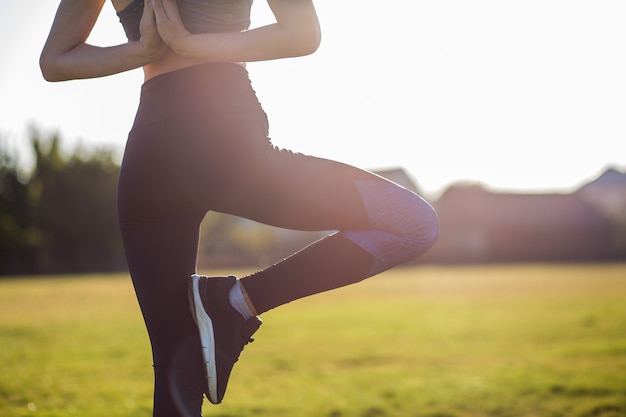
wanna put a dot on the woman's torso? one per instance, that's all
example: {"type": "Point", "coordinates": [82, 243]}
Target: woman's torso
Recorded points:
{"type": "Point", "coordinates": [199, 16]}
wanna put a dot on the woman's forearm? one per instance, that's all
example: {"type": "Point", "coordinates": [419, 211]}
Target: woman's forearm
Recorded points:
{"type": "Point", "coordinates": [260, 44]}
{"type": "Point", "coordinates": [67, 56]}
{"type": "Point", "coordinates": [295, 33]}
{"type": "Point", "coordinates": [88, 61]}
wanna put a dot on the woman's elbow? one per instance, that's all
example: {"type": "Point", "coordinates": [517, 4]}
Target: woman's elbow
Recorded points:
{"type": "Point", "coordinates": [47, 74]}
{"type": "Point", "coordinates": [314, 42]}
{"type": "Point", "coordinates": [49, 70]}
{"type": "Point", "coordinates": [307, 42]}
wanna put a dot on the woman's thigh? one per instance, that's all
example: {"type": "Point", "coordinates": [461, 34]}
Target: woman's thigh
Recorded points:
{"type": "Point", "coordinates": [302, 192]}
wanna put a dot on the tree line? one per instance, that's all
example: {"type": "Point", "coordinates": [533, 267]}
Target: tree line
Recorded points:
{"type": "Point", "coordinates": [60, 217]}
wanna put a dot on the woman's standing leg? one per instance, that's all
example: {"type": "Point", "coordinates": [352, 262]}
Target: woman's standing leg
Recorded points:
{"type": "Point", "coordinates": [161, 240]}
{"type": "Point", "coordinates": [161, 256]}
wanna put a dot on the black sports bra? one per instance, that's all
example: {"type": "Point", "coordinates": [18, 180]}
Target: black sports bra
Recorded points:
{"type": "Point", "coordinates": [199, 16]}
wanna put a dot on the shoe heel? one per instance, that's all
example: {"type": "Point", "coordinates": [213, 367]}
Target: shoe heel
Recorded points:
{"type": "Point", "coordinates": [207, 337]}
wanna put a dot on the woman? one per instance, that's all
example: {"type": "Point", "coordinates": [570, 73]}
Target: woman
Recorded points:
{"type": "Point", "coordinates": [200, 143]}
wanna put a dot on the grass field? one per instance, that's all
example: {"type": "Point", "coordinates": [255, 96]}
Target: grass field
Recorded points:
{"type": "Point", "coordinates": [532, 340]}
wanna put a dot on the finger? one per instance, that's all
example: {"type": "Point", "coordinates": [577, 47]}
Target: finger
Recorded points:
{"type": "Point", "coordinates": [147, 19]}
{"type": "Point", "coordinates": [171, 10]}
{"type": "Point", "coordinates": [148, 10]}
{"type": "Point", "coordinates": [159, 13]}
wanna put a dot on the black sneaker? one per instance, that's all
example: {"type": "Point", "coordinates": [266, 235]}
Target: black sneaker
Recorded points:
{"type": "Point", "coordinates": [223, 331]}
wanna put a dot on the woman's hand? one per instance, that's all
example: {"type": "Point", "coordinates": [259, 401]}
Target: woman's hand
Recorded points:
{"type": "Point", "coordinates": [170, 26]}
{"type": "Point", "coordinates": [150, 41]}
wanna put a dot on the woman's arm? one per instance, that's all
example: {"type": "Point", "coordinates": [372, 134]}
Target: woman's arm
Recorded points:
{"type": "Point", "coordinates": [295, 33]}
{"type": "Point", "coordinates": [66, 56]}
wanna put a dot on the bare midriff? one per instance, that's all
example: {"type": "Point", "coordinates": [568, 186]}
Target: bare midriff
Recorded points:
{"type": "Point", "coordinates": [172, 62]}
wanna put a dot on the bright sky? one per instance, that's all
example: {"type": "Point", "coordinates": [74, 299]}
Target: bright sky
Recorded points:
{"type": "Point", "coordinates": [516, 94]}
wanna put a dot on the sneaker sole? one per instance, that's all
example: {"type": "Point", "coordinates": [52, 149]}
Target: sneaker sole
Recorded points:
{"type": "Point", "coordinates": [207, 338]}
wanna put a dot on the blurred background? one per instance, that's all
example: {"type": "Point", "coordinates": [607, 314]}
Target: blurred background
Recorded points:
{"type": "Point", "coordinates": [507, 116]}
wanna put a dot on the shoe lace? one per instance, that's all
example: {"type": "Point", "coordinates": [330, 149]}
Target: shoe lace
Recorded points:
{"type": "Point", "coordinates": [245, 340]}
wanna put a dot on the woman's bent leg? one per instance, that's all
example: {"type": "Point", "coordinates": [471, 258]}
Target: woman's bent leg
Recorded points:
{"type": "Point", "coordinates": [379, 224]}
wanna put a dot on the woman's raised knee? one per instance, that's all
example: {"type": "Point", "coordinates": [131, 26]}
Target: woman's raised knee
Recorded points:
{"type": "Point", "coordinates": [403, 226]}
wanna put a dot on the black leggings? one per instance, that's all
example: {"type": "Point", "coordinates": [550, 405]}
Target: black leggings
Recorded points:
{"type": "Point", "coordinates": [199, 143]}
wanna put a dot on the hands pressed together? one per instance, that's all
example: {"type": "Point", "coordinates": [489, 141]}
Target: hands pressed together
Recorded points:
{"type": "Point", "coordinates": [161, 27]}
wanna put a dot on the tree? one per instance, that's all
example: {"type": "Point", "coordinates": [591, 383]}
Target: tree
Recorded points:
{"type": "Point", "coordinates": [74, 200]}
{"type": "Point", "coordinates": [17, 237]}
{"type": "Point", "coordinates": [62, 218]}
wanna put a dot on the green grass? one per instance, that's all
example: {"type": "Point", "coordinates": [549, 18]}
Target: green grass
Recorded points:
{"type": "Point", "coordinates": [532, 340]}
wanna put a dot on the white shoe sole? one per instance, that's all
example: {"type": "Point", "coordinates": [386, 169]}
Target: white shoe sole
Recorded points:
{"type": "Point", "coordinates": [207, 338]}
